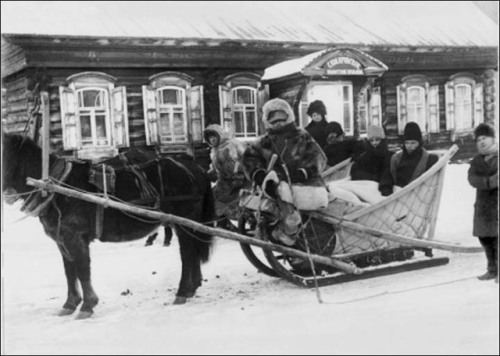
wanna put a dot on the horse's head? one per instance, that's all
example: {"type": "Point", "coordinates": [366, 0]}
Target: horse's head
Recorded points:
{"type": "Point", "coordinates": [21, 158]}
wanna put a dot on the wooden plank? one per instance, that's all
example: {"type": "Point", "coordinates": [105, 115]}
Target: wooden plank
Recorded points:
{"type": "Point", "coordinates": [169, 218]}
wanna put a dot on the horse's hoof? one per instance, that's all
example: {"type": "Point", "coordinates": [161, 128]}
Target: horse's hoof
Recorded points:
{"type": "Point", "coordinates": [83, 315]}
{"type": "Point", "coordinates": [180, 300]}
{"type": "Point", "coordinates": [64, 312]}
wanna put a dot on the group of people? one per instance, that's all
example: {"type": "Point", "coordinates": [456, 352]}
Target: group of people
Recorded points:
{"type": "Point", "coordinates": [303, 154]}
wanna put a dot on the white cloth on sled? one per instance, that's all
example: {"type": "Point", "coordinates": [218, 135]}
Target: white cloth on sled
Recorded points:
{"type": "Point", "coordinates": [358, 192]}
{"type": "Point", "coordinates": [304, 197]}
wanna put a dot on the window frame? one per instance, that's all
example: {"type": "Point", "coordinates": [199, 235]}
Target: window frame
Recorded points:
{"type": "Point", "coordinates": [228, 107]}
{"type": "Point", "coordinates": [171, 109]}
{"type": "Point", "coordinates": [237, 106]}
{"type": "Point", "coordinates": [475, 87]}
{"type": "Point", "coordinates": [430, 120]}
{"type": "Point", "coordinates": [115, 113]}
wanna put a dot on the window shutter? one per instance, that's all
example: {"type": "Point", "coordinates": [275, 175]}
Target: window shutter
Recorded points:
{"type": "Point", "coordinates": [262, 98]}
{"type": "Point", "coordinates": [402, 114]}
{"type": "Point", "coordinates": [450, 106]}
{"type": "Point", "coordinates": [150, 115]}
{"type": "Point", "coordinates": [196, 113]}
{"type": "Point", "coordinates": [362, 106]}
{"type": "Point", "coordinates": [69, 119]}
{"type": "Point", "coordinates": [226, 108]}
{"type": "Point", "coordinates": [478, 104]}
{"type": "Point", "coordinates": [303, 106]}
{"type": "Point", "coordinates": [375, 107]}
{"type": "Point", "coordinates": [433, 108]}
{"type": "Point", "coordinates": [120, 117]}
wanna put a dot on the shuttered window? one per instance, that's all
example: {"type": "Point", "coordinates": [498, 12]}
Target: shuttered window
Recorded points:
{"type": "Point", "coordinates": [94, 115]}
{"type": "Point", "coordinates": [418, 101]}
{"type": "Point", "coordinates": [464, 103]}
{"type": "Point", "coordinates": [173, 110]}
{"type": "Point", "coordinates": [241, 98]}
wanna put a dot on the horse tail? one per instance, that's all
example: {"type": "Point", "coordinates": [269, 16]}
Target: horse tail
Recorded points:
{"type": "Point", "coordinates": [208, 214]}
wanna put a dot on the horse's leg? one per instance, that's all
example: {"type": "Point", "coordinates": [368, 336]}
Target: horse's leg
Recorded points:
{"type": "Point", "coordinates": [188, 258]}
{"type": "Point", "coordinates": [74, 297]}
{"type": "Point", "coordinates": [78, 246]}
{"type": "Point", "coordinates": [168, 235]}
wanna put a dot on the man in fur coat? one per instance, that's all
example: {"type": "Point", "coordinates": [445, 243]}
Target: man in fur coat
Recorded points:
{"type": "Point", "coordinates": [300, 160]}
{"type": "Point", "coordinates": [483, 175]}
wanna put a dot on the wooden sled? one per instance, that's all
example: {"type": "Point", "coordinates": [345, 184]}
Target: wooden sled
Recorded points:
{"type": "Point", "coordinates": [382, 238]}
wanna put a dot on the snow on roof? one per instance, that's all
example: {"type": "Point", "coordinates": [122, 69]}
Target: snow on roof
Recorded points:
{"type": "Point", "coordinates": [291, 66]}
{"type": "Point", "coordinates": [413, 23]}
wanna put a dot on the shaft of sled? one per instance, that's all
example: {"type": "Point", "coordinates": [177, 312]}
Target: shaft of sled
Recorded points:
{"type": "Point", "coordinates": [160, 216]}
{"type": "Point", "coordinates": [349, 225]}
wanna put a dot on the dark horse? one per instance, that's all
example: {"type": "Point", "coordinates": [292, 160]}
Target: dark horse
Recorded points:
{"type": "Point", "coordinates": [72, 222]}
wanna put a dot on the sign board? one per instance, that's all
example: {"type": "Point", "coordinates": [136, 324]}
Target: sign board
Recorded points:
{"type": "Point", "coordinates": [343, 66]}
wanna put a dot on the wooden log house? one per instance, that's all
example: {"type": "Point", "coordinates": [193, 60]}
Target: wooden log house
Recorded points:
{"type": "Point", "coordinates": [154, 75]}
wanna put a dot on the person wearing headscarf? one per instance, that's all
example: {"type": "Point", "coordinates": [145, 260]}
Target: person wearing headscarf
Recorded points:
{"type": "Point", "coordinates": [483, 175]}
{"type": "Point", "coordinates": [408, 164]}
{"type": "Point", "coordinates": [376, 158]}
{"type": "Point", "coordinates": [317, 126]}
{"type": "Point", "coordinates": [300, 160]}
{"type": "Point", "coordinates": [225, 170]}
{"type": "Point", "coordinates": [338, 148]}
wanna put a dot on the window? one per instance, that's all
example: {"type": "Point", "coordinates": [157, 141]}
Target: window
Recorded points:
{"type": "Point", "coordinates": [338, 99]}
{"type": "Point", "coordinates": [241, 100]}
{"type": "Point", "coordinates": [464, 103]}
{"type": "Point", "coordinates": [172, 114]}
{"type": "Point", "coordinates": [173, 110]}
{"type": "Point", "coordinates": [418, 101]}
{"type": "Point", "coordinates": [93, 115]}
{"type": "Point", "coordinates": [245, 107]}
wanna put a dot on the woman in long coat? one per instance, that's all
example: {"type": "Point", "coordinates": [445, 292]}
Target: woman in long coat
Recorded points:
{"type": "Point", "coordinates": [483, 175]}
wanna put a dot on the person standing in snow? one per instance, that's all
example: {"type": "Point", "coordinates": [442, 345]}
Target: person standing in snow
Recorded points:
{"type": "Point", "coordinates": [317, 126]}
{"type": "Point", "coordinates": [225, 169]}
{"type": "Point", "coordinates": [408, 164]}
{"type": "Point", "coordinates": [483, 175]}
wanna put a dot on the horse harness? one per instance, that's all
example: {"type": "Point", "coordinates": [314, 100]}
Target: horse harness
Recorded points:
{"type": "Point", "coordinates": [103, 176]}
{"type": "Point", "coordinates": [37, 202]}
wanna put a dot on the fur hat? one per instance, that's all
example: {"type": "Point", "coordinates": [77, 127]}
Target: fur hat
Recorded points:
{"type": "Point", "coordinates": [375, 131]}
{"type": "Point", "coordinates": [316, 106]}
{"type": "Point", "coordinates": [334, 127]}
{"type": "Point", "coordinates": [484, 130]}
{"type": "Point", "coordinates": [276, 105]}
{"type": "Point", "coordinates": [412, 132]}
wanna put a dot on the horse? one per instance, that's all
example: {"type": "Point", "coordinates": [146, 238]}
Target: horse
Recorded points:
{"type": "Point", "coordinates": [71, 223]}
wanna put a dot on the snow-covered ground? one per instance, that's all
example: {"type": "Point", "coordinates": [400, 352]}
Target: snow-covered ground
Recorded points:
{"type": "Point", "coordinates": [440, 310]}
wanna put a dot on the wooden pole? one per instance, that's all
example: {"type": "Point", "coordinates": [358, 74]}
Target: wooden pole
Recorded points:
{"type": "Point", "coordinates": [45, 136]}
{"type": "Point", "coordinates": [395, 237]}
{"type": "Point", "coordinates": [168, 218]}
